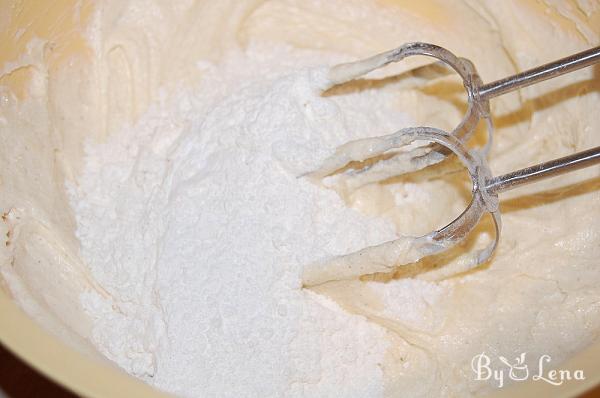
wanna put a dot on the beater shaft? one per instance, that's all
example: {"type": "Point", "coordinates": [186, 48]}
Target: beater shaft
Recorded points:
{"type": "Point", "coordinates": [540, 73]}
{"type": "Point", "coordinates": [548, 169]}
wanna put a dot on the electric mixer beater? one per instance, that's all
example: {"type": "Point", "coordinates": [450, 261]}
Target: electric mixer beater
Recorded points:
{"type": "Point", "coordinates": [407, 249]}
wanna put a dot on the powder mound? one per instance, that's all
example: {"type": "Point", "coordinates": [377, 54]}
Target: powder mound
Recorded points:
{"type": "Point", "coordinates": [197, 222]}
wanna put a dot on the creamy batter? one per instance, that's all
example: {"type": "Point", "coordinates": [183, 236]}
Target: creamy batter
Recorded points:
{"type": "Point", "coordinates": [422, 325]}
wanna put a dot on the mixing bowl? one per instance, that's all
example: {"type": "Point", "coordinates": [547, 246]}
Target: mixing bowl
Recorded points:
{"type": "Point", "coordinates": [44, 323]}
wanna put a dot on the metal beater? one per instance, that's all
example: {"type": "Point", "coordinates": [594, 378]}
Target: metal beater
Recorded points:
{"type": "Point", "coordinates": [404, 250]}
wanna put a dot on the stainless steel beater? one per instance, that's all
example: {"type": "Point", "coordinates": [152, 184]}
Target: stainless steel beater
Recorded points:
{"type": "Point", "coordinates": [404, 250]}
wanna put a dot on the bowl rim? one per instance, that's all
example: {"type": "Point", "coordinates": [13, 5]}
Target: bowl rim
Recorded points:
{"type": "Point", "coordinates": [62, 364]}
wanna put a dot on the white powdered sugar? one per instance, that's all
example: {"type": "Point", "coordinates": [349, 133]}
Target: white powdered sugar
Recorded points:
{"type": "Point", "coordinates": [197, 221]}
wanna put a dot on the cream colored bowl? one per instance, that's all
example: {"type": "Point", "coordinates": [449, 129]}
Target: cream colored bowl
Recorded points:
{"type": "Point", "coordinates": [49, 282]}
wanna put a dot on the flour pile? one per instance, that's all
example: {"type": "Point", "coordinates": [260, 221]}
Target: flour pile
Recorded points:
{"type": "Point", "coordinates": [197, 221]}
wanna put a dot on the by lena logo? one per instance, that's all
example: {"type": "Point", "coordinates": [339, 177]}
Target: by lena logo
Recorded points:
{"type": "Point", "coordinates": [518, 370]}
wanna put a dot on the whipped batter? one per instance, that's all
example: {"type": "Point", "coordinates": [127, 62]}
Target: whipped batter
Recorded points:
{"type": "Point", "coordinates": [158, 98]}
